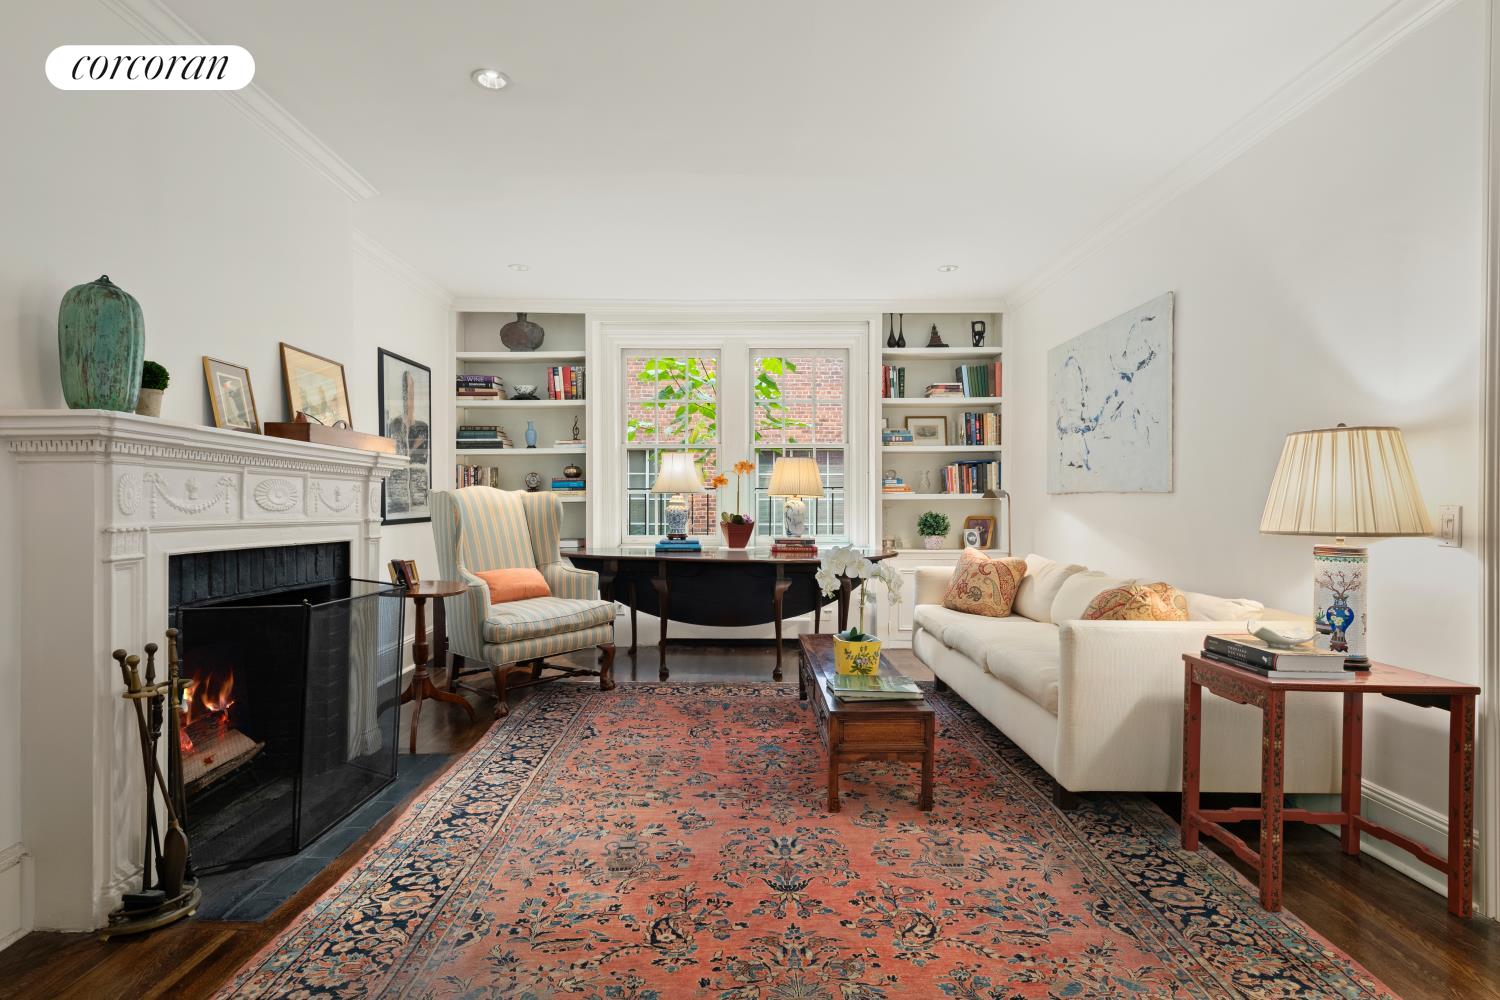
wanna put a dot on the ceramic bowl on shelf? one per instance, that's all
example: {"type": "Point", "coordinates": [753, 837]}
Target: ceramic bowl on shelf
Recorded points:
{"type": "Point", "coordinates": [522, 391]}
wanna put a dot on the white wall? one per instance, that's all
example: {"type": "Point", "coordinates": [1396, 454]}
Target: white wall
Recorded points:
{"type": "Point", "coordinates": [1331, 273]}
{"type": "Point", "coordinates": [230, 244]}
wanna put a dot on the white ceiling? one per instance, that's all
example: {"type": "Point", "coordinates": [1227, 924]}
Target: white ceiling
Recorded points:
{"type": "Point", "coordinates": [775, 149]}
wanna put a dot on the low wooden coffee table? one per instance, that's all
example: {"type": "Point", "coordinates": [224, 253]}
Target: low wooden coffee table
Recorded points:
{"type": "Point", "coordinates": [853, 731]}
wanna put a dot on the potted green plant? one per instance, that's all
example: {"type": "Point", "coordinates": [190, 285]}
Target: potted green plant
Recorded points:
{"type": "Point", "coordinates": [933, 527]}
{"type": "Point", "coordinates": [737, 526]}
{"type": "Point", "coordinates": [855, 651]}
{"type": "Point", "coordinates": [154, 379]}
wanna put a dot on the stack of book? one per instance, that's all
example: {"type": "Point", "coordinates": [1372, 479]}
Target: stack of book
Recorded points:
{"type": "Point", "coordinates": [561, 485]}
{"type": "Point", "coordinates": [896, 435]}
{"type": "Point", "coordinates": [480, 387]}
{"type": "Point", "coordinates": [1305, 662]}
{"type": "Point", "coordinates": [979, 380]}
{"type": "Point", "coordinates": [565, 382]}
{"type": "Point", "coordinates": [937, 389]}
{"type": "Point", "coordinates": [802, 545]}
{"type": "Point", "coordinates": [482, 436]}
{"type": "Point", "coordinates": [971, 477]}
{"type": "Point", "coordinates": [879, 687]}
{"type": "Point", "coordinates": [892, 382]}
{"type": "Point", "coordinates": [570, 443]}
{"type": "Point", "coordinates": [894, 484]}
{"type": "Point", "coordinates": [980, 428]}
{"type": "Point", "coordinates": [679, 545]}
{"type": "Point", "coordinates": [477, 475]}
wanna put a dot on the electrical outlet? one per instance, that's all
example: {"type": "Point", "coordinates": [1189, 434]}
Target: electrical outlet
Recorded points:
{"type": "Point", "coordinates": [1450, 526]}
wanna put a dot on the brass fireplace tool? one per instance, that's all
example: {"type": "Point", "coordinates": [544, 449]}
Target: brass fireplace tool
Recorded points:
{"type": "Point", "coordinates": [169, 890]}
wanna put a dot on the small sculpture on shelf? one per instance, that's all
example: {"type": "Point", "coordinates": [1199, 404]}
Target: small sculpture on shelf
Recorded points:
{"type": "Point", "coordinates": [977, 331]}
{"type": "Point", "coordinates": [577, 435]}
{"type": "Point", "coordinates": [533, 481]}
{"type": "Point", "coordinates": [522, 390]}
{"type": "Point", "coordinates": [530, 434]}
{"type": "Point", "coordinates": [933, 340]}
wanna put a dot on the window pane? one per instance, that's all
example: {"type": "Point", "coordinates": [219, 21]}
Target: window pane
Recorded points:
{"type": "Point", "coordinates": [646, 511]}
{"type": "Point", "coordinates": [825, 515]}
{"type": "Point", "coordinates": [641, 422]}
{"type": "Point", "coordinates": [830, 378]}
{"type": "Point", "coordinates": [829, 427]}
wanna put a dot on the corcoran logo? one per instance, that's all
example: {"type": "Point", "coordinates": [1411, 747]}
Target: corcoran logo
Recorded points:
{"type": "Point", "coordinates": [150, 67]}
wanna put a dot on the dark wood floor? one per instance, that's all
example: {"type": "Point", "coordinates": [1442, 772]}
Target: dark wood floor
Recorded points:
{"type": "Point", "coordinates": [1396, 928]}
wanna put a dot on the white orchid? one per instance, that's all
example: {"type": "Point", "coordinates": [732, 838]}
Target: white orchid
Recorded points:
{"type": "Point", "coordinates": [847, 563]}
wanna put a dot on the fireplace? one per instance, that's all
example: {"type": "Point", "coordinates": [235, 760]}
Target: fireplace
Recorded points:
{"type": "Point", "coordinates": [291, 709]}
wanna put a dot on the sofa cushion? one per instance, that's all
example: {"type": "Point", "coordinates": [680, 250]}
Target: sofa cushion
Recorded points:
{"type": "Point", "coordinates": [1138, 602]}
{"type": "Point", "coordinates": [1208, 608]}
{"type": "Point", "coordinates": [543, 616]}
{"type": "Point", "coordinates": [983, 586]}
{"type": "Point", "coordinates": [1078, 590]}
{"type": "Point", "coordinates": [1030, 661]}
{"type": "Point", "coordinates": [1040, 585]}
{"type": "Point", "coordinates": [971, 635]}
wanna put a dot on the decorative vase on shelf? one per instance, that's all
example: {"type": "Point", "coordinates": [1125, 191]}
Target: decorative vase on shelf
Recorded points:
{"type": "Point", "coordinates": [890, 337]}
{"type": "Point", "coordinates": [101, 345]}
{"type": "Point", "coordinates": [521, 334]}
{"type": "Point", "coordinates": [149, 403]}
{"type": "Point", "coordinates": [530, 434]}
{"type": "Point", "coordinates": [901, 333]}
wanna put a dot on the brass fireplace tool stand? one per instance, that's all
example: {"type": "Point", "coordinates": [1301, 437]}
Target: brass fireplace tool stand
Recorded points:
{"type": "Point", "coordinates": [169, 889]}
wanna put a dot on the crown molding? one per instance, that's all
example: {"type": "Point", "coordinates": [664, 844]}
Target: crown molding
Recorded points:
{"type": "Point", "coordinates": [1378, 36]}
{"type": "Point", "coordinates": [160, 25]}
{"type": "Point", "coordinates": [818, 308]}
{"type": "Point", "coordinates": [370, 248]}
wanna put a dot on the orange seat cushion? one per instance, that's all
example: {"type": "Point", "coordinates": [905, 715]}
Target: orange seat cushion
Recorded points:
{"type": "Point", "coordinates": [508, 585]}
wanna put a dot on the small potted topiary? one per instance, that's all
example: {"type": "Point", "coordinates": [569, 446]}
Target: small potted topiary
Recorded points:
{"type": "Point", "coordinates": [933, 527]}
{"type": "Point", "coordinates": [154, 379]}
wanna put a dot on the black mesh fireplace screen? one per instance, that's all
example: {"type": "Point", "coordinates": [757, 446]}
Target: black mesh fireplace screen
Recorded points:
{"type": "Point", "coordinates": [291, 717]}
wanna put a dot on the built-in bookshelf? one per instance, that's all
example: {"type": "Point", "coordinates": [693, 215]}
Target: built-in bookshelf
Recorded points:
{"type": "Point", "coordinates": [973, 412]}
{"type": "Point", "coordinates": [480, 352]}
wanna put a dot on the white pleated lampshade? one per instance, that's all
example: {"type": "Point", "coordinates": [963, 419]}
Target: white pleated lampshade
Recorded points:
{"type": "Point", "coordinates": [795, 477]}
{"type": "Point", "coordinates": [1345, 482]}
{"type": "Point", "coordinates": [678, 474]}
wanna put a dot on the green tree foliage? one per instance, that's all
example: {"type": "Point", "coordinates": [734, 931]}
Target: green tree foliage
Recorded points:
{"type": "Point", "coordinates": [686, 406]}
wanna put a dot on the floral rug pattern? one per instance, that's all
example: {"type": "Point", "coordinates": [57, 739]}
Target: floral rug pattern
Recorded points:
{"type": "Point", "coordinates": [665, 841]}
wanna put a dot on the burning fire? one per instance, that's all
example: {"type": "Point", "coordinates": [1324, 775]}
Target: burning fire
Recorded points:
{"type": "Point", "coordinates": [205, 706]}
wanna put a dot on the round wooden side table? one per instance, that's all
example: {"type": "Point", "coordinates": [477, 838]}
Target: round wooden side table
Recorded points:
{"type": "Point", "coordinates": [421, 685]}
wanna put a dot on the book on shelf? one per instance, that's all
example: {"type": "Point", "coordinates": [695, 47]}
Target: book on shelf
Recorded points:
{"type": "Point", "coordinates": [679, 545]}
{"type": "Point", "coordinates": [1280, 675]}
{"type": "Point", "coordinates": [565, 382]}
{"type": "Point", "coordinates": [477, 475]}
{"type": "Point", "coordinates": [570, 544]}
{"type": "Point", "coordinates": [479, 380]}
{"type": "Point", "coordinates": [570, 443]}
{"type": "Point", "coordinates": [979, 380]}
{"type": "Point", "coordinates": [566, 485]}
{"type": "Point", "coordinates": [876, 687]}
{"type": "Point", "coordinates": [479, 394]}
{"type": "Point", "coordinates": [979, 428]}
{"type": "Point", "coordinates": [892, 382]}
{"type": "Point", "coordinates": [483, 444]}
{"type": "Point", "coordinates": [970, 477]}
{"type": "Point", "coordinates": [936, 389]}
{"type": "Point", "coordinates": [896, 436]}
{"type": "Point", "coordinates": [1247, 649]}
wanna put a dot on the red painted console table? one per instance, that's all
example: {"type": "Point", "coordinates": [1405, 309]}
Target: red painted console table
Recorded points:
{"type": "Point", "coordinates": [1248, 688]}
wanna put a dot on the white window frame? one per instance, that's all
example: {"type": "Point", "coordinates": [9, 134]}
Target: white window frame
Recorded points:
{"type": "Point", "coordinates": [610, 338]}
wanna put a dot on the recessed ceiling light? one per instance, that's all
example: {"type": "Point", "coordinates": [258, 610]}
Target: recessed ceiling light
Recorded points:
{"type": "Point", "coordinates": [947, 267]}
{"type": "Point", "coordinates": [490, 79]}
{"type": "Point", "coordinates": [519, 267]}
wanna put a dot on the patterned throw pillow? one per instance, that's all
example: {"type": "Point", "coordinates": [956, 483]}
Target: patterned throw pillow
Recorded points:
{"type": "Point", "coordinates": [984, 586]}
{"type": "Point", "coordinates": [1138, 602]}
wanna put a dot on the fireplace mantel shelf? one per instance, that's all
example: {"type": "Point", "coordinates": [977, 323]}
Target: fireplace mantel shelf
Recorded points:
{"type": "Point", "coordinates": [105, 500]}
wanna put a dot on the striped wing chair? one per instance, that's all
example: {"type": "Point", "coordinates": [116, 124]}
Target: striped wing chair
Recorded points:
{"type": "Point", "coordinates": [479, 528]}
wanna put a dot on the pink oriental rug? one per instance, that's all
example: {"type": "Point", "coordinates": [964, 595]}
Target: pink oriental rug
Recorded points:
{"type": "Point", "coordinates": [658, 842]}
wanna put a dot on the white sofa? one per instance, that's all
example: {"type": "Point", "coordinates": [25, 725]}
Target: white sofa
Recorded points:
{"type": "Point", "coordinates": [1098, 704]}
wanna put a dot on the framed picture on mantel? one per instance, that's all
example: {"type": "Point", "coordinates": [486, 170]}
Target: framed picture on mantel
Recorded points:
{"type": "Point", "coordinates": [315, 386]}
{"type": "Point", "coordinates": [406, 418]}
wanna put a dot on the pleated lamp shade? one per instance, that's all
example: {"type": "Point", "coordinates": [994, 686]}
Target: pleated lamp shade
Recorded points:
{"type": "Point", "coordinates": [1345, 482]}
{"type": "Point", "coordinates": [795, 477]}
{"type": "Point", "coordinates": [678, 474]}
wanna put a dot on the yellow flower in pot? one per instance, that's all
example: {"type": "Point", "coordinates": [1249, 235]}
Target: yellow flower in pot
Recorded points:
{"type": "Point", "coordinates": [855, 651]}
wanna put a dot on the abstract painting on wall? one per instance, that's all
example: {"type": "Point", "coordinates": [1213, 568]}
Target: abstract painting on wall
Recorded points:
{"type": "Point", "coordinates": [1109, 405]}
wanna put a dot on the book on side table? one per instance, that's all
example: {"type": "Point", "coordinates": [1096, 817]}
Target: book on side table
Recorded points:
{"type": "Point", "coordinates": [1250, 653]}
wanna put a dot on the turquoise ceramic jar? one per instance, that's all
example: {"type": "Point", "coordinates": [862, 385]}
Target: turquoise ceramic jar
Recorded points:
{"type": "Point", "coordinates": [101, 345]}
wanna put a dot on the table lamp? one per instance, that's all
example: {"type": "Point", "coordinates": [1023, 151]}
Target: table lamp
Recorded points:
{"type": "Point", "coordinates": [678, 476]}
{"type": "Point", "coordinates": [795, 478]}
{"type": "Point", "coordinates": [1344, 482]}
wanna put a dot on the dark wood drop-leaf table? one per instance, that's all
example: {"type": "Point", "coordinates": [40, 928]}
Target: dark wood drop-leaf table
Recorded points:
{"type": "Point", "coordinates": [729, 588]}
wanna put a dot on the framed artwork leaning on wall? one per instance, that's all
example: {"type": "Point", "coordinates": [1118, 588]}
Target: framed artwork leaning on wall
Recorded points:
{"type": "Point", "coordinates": [230, 395]}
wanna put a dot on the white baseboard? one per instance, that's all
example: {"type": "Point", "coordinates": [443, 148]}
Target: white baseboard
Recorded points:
{"type": "Point", "coordinates": [15, 894]}
{"type": "Point", "coordinates": [1412, 819]}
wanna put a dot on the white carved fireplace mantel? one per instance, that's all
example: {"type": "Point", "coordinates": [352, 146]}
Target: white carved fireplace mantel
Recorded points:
{"type": "Point", "coordinates": [105, 500]}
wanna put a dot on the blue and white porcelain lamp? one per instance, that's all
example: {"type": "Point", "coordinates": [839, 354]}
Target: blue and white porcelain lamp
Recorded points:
{"type": "Point", "coordinates": [1344, 482]}
{"type": "Point", "coordinates": [678, 476]}
{"type": "Point", "coordinates": [794, 479]}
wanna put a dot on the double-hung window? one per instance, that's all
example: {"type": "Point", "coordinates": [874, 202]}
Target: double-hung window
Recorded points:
{"type": "Point", "coordinates": [671, 404]}
{"type": "Point", "coordinates": [799, 409]}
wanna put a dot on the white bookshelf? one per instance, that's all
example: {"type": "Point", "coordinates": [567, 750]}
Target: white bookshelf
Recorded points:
{"type": "Point", "coordinates": [479, 351]}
